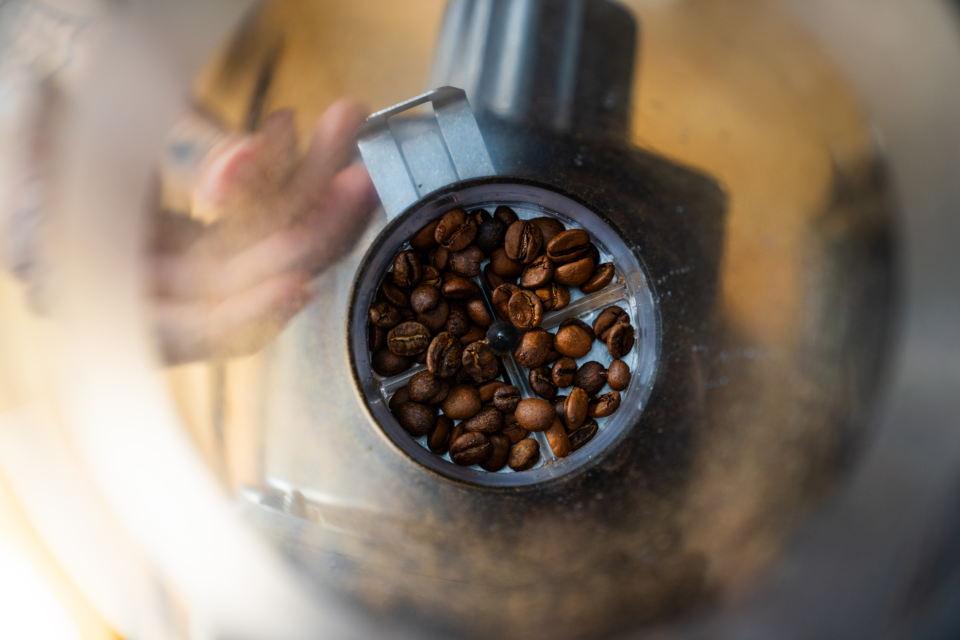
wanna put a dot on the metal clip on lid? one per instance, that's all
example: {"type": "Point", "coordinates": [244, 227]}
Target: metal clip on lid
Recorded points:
{"type": "Point", "coordinates": [409, 158]}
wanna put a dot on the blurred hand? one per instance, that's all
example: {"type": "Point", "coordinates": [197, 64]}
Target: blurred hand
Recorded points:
{"type": "Point", "coordinates": [228, 288]}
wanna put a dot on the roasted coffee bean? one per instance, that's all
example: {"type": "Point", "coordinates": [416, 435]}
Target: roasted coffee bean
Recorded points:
{"type": "Point", "coordinates": [481, 216]}
{"type": "Point", "coordinates": [569, 246]}
{"type": "Point", "coordinates": [590, 377]}
{"type": "Point", "coordinates": [480, 362]}
{"type": "Point", "coordinates": [525, 309]}
{"type": "Point", "coordinates": [431, 277]}
{"type": "Point", "coordinates": [575, 408]}
{"type": "Point", "coordinates": [533, 349]}
{"type": "Point", "coordinates": [576, 273]}
{"type": "Point", "coordinates": [440, 259]}
{"type": "Point", "coordinates": [605, 405]}
{"type": "Point", "coordinates": [462, 377]}
{"type": "Point", "coordinates": [424, 239]}
{"type": "Point", "coordinates": [501, 299]}
{"type": "Point", "coordinates": [620, 340]}
{"type": "Point", "coordinates": [537, 274]}
{"type": "Point", "coordinates": [470, 449]}
{"type": "Point", "coordinates": [401, 396]}
{"type": "Point", "coordinates": [435, 319]}
{"type": "Point", "coordinates": [550, 228]}
{"type": "Point", "coordinates": [513, 431]}
{"type": "Point", "coordinates": [542, 382]}
{"type": "Point", "coordinates": [384, 315]}
{"type": "Point", "coordinates": [523, 241]}
{"type": "Point", "coordinates": [506, 215]}
{"type": "Point", "coordinates": [424, 298]}
{"type": "Point", "coordinates": [535, 414]}
{"type": "Point", "coordinates": [487, 421]}
{"type": "Point", "coordinates": [506, 398]}
{"type": "Point", "coordinates": [558, 403]}
{"type": "Point", "coordinates": [455, 434]}
{"type": "Point", "coordinates": [583, 435]}
{"type": "Point", "coordinates": [572, 341]}
{"type": "Point", "coordinates": [607, 319]}
{"type": "Point", "coordinates": [420, 358]}
{"type": "Point", "coordinates": [618, 375]}
{"type": "Point", "coordinates": [444, 354]}
{"type": "Point", "coordinates": [500, 446]}
{"type": "Point", "coordinates": [552, 356]}
{"type": "Point", "coordinates": [425, 386]}
{"type": "Point", "coordinates": [473, 335]}
{"type": "Point", "coordinates": [489, 389]}
{"type": "Point", "coordinates": [416, 419]}
{"type": "Point", "coordinates": [493, 280]}
{"type": "Point", "coordinates": [478, 312]}
{"type": "Point", "coordinates": [466, 263]}
{"type": "Point", "coordinates": [408, 339]}
{"type": "Point", "coordinates": [406, 315]}
{"type": "Point", "coordinates": [462, 403]}
{"type": "Point", "coordinates": [456, 230]}
{"type": "Point", "coordinates": [600, 279]}
{"type": "Point", "coordinates": [563, 371]}
{"type": "Point", "coordinates": [524, 455]}
{"type": "Point", "coordinates": [439, 437]}
{"type": "Point", "coordinates": [503, 266]}
{"type": "Point", "coordinates": [490, 235]}
{"type": "Point", "coordinates": [557, 438]}
{"type": "Point", "coordinates": [387, 363]}
{"type": "Point", "coordinates": [376, 338]}
{"type": "Point", "coordinates": [554, 296]}
{"type": "Point", "coordinates": [460, 288]}
{"type": "Point", "coordinates": [594, 254]}
{"type": "Point", "coordinates": [458, 320]}
{"type": "Point", "coordinates": [394, 295]}
{"type": "Point", "coordinates": [579, 323]}
{"type": "Point", "coordinates": [407, 270]}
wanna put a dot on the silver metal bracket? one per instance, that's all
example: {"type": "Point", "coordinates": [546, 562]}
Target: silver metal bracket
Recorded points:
{"type": "Point", "coordinates": [410, 157]}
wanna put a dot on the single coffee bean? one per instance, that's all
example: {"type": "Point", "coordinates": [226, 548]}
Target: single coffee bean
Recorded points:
{"type": "Point", "coordinates": [572, 341]}
{"type": "Point", "coordinates": [456, 230]}
{"type": "Point", "coordinates": [557, 438]}
{"type": "Point", "coordinates": [394, 295]}
{"type": "Point", "coordinates": [618, 375]}
{"type": "Point", "coordinates": [490, 235]}
{"type": "Point", "coordinates": [458, 320]}
{"type": "Point", "coordinates": [563, 371]}
{"type": "Point", "coordinates": [406, 314]}
{"type": "Point", "coordinates": [590, 377]}
{"type": "Point", "coordinates": [470, 449]}
{"type": "Point", "coordinates": [500, 446]}
{"type": "Point", "coordinates": [583, 435]}
{"type": "Point", "coordinates": [535, 414]}
{"type": "Point", "coordinates": [441, 259]}
{"type": "Point", "coordinates": [576, 273]}
{"type": "Point", "coordinates": [384, 315]}
{"type": "Point", "coordinates": [537, 274]}
{"type": "Point", "coordinates": [401, 396]}
{"type": "Point", "coordinates": [524, 455]}
{"type": "Point", "coordinates": [620, 340]}
{"type": "Point", "coordinates": [444, 354]}
{"type": "Point", "coordinates": [600, 279]}
{"type": "Point", "coordinates": [501, 300]}
{"type": "Point", "coordinates": [408, 339]}
{"type": "Point", "coordinates": [424, 239]}
{"type": "Point", "coordinates": [503, 266]}
{"type": "Point", "coordinates": [569, 246]}
{"type": "Point", "coordinates": [607, 319]}
{"type": "Point", "coordinates": [523, 241]}
{"type": "Point", "coordinates": [376, 338]}
{"type": "Point", "coordinates": [473, 335]}
{"type": "Point", "coordinates": [558, 403]}
{"type": "Point", "coordinates": [552, 356]}
{"type": "Point", "coordinates": [466, 263]}
{"type": "Point", "coordinates": [478, 312]}
{"type": "Point", "coordinates": [462, 403]}
{"type": "Point", "coordinates": [424, 386]}
{"type": "Point", "coordinates": [534, 348]}
{"type": "Point", "coordinates": [605, 405]}
{"type": "Point", "coordinates": [487, 421]}
{"type": "Point", "coordinates": [575, 408]}
{"type": "Point", "coordinates": [493, 280]}
{"type": "Point", "coordinates": [455, 434]}
{"type": "Point", "coordinates": [420, 358]}
{"type": "Point", "coordinates": [431, 277]}
{"type": "Point", "coordinates": [554, 296]}
{"type": "Point", "coordinates": [386, 363]}
{"type": "Point", "coordinates": [506, 398]}
{"type": "Point", "coordinates": [439, 437]}
{"type": "Point", "coordinates": [594, 254]}
{"type": "Point", "coordinates": [435, 319]}
{"type": "Point", "coordinates": [460, 288]}
{"type": "Point", "coordinates": [407, 270]}
{"type": "Point", "coordinates": [579, 323]}
{"type": "Point", "coordinates": [506, 215]}
{"type": "Point", "coordinates": [480, 362]}
{"type": "Point", "coordinates": [525, 309]}
{"type": "Point", "coordinates": [489, 389]}
{"type": "Point", "coordinates": [463, 378]}
{"type": "Point", "coordinates": [513, 431]}
{"type": "Point", "coordinates": [550, 228]}
{"type": "Point", "coordinates": [416, 419]}
{"type": "Point", "coordinates": [542, 382]}
{"type": "Point", "coordinates": [424, 298]}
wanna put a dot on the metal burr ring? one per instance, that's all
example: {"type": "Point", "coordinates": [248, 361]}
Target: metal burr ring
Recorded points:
{"type": "Point", "coordinates": [629, 290]}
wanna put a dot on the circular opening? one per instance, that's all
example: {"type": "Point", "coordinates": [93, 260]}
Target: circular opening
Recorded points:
{"type": "Point", "coordinates": [629, 290]}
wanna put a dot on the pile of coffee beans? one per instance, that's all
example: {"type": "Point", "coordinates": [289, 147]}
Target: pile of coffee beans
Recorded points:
{"type": "Point", "coordinates": [430, 310]}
